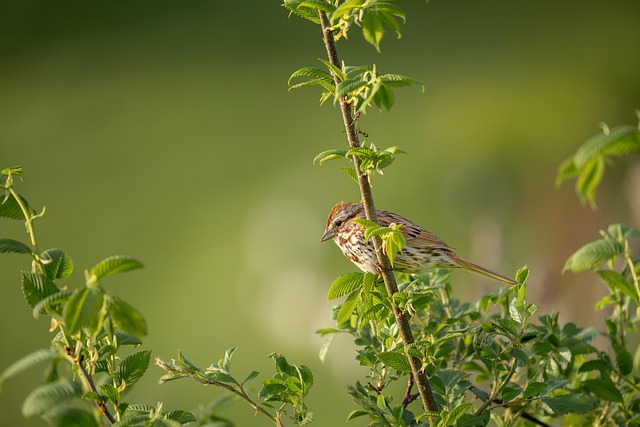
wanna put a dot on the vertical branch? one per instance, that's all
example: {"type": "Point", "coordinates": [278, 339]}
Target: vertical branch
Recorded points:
{"type": "Point", "coordinates": [428, 402]}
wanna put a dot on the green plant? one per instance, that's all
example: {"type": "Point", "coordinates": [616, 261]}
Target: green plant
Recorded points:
{"type": "Point", "coordinates": [462, 363]}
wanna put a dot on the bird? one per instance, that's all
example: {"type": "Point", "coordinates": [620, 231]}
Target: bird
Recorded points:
{"type": "Point", "coordinates": [423, 250]}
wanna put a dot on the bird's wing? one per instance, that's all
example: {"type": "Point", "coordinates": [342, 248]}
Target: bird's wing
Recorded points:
{"type": "Point", "coordinates": [415, 235]}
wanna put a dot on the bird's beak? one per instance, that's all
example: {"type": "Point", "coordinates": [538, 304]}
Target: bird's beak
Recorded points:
{"type": "Point", "coordinates": [328, 234]}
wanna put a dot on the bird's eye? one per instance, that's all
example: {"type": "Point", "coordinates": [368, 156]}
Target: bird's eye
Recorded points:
{"type": "Point", "coordinates": [338, 223]}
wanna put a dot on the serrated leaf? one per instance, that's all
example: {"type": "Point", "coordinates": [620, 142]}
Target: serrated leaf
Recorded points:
{"type": "Point", "coordinates": [533, 389]}
{"type": "Point", "coordinates": [127, 318]}
{"type": "Point", "coordinates": [225, 363]}
{"type": "Point", "coordinates": [113, 265]}
{"type": "Point", "coordinates": [589, 180]}
{"type": "Point", "coordinates": [618, 283]}
{"type": "Point", "coordinates": [398, 80]}
{"type": "Point", "coordinates": [395, 360]}
{"type": "Point", "coordinates": [46, 304]}
{"type": "Point", "coordinates": [349, 86]}
{"type": "Point", "coordinates": [604, 389]}
{"type": "Point", "coordinates": [82, 310]}
{"type": "Point", "coordinates": [71, 417]}
{"type": "Point", "coordinates": [593, 254]}
{"type": "Point", "coordinates": [133, 367]}
{"type": "Point", "coordinates": [111, 393]}
{"type": "Point", "coordinates": [554, 384]}
{"type": "Point", "coordinates": [569, 403]}
{"type": "Point", "coordinates": [123, 338]}
{"type": "Point", "coordinates": [132, 421]}
{"type": "Point", "coordinates": [10, 209]}
{"type": "Point", "coordinates": [344, 314]}
{"type": "Point", "coordinates": [329, 155]}
{"type": "Point", "coordinates": [57, 264]}
{"type": "Point", "coordinates": [345, 284]}
{"type": "Point", "coordinates": [49, 396]}
{"type": "Point", "coordinates": [13, 246]}
{"type": "Point", "coordinates": [310, 72]}
{"type": "Point", "coordinates": [27, 362]}
{"type": "Point", "coordinates": [36, 287]}
{"type": "Point", "coordinates": [180, 416]}
{"type": "Point", "coordinates": [619, 140]}
{"type": "Point", "coordinates": [343, 10]}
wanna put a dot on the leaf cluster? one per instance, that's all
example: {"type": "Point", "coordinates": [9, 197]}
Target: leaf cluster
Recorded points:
{"type": "Point", "coordinates": [92, 329]}
{"type": "Point", "coordinates": [372, 16]}
{"type": "Point", "coordinates": [288, 386]}
{"type": "Point", "coordinates": [587, 164]}
{"type": "Point", "coordinates": [361, 86]}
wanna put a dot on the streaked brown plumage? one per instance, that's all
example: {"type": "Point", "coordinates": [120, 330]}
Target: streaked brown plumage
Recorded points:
{"type": "Point", "coordinates": [422, 251]}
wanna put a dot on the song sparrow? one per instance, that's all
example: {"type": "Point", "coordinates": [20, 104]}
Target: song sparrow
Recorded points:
{"type": "Point", "coordinates": [422, 251]}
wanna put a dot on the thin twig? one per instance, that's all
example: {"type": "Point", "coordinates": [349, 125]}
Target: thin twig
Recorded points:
{"type": "Point", "coordinates": [384, 265]}
{"type": "Point", "coordinates": [89, 381]}
{"type": "Point", "coordinates": [523, 414]}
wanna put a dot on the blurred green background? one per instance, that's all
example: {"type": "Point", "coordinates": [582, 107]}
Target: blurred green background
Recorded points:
{"type": "Point", "coordinates": [164, 130]}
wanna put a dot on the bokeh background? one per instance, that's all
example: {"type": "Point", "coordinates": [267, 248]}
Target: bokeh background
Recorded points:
{"type": "Point", "coordinates": [164, 130]}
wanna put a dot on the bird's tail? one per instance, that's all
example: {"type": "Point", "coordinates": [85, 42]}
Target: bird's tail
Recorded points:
{"type": "Point", "coordinates": [475, 268]}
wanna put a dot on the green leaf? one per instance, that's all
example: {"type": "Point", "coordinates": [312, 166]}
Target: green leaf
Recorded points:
{"type": "Point", "coordinates": [82, 310]}
{"type": "Point", "coordinates": [134, 366]}
{"type": "Point", "coordinates": [589, 180]}
{"type": "Point", "coordinates": [27, 362]}
{"type": "Point", "coordinates": [344, 314]}
{"type": "Point", "coordinates": [593, 254]}
{"type": "Point", "coordinates": [250, 376]}
{"type": "Point", "coordinates": [604, 389]}
{"type": "Point", "coordinates": [395, 360]}
{"type": "Point", "coordinates": [343, 11]}
{"type": "Point", "coordinates": [10, 209]}
{"type": "Point", "coordinates": [398, 80]}
{"type": "Point", "coordinates": [71, 417]}
{"type": "Point", "coordinates": [113, 265]}
{"type": "Point", "coordinates": [349, 87]}
{"type": "Point", "coordinates": [57, 264]}
{"type": "Point", "coordinates": [351, 172]}
{"type": "Point", "coordinates": [372, 28]}
{"type": "Point", "coordinates": [569, 403]}
{"type": "Point", "coordinates": [566, 170]}
{"type": "Point", "coordinates": [522, 274]}
{"type": "Point", "coordinates": [13, 246]}
{"type": "Point", "coordinates": [324, 349]}
{"type": "Point", "coordinates": [225, 363]}
{"type": "Point", "coordinates": [126, 339]}
{"type": "Point", "coordinates": [364, 222]}
{"type": "Point", "coordinates": [127, 318]}
{"type": "Point", "coordinates": [533, 389]}
{"type": "Point", "coordinates": [310, 72]}
{"type": "Point", "coordinates": [111, 393]}
{"type": "Point", "coordinates": [46, 304]}
{"type": "Point", "coordinates": [179, 415]}
{"type": "Point", "coordinates": [466, 420]}
{"type": "Point", "coordinates": [345, 284]}
{"type": "Point", "coordinates": [624, 361]}
{"type": "Point", "coordinates": [618, 283]}
{"type": "Point", "coordinates": [49, 396]}
{"type": "Point", "coordinates": [619, 140]}
{"type": "Point", "coordinates": [36, 287]}
{"type": "Point", "coordinates": [385, 98]}
{"type": "Point", "coordinates": [133, 421]}
{"type": "Point", "coordinates": [329, 155]}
